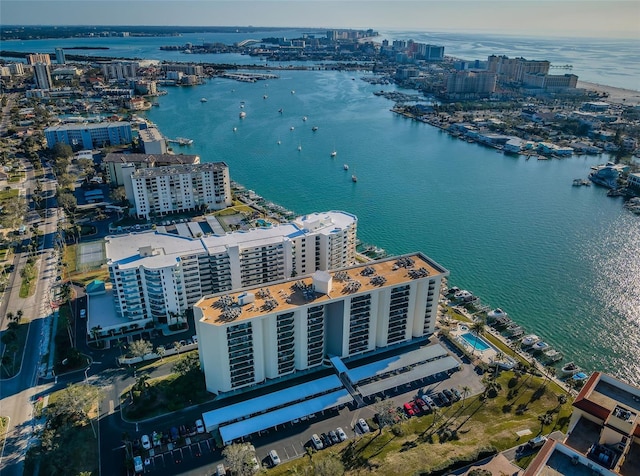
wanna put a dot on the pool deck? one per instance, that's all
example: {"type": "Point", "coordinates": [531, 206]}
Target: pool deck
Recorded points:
{"type": "Point", "coordinates": [488, 355]}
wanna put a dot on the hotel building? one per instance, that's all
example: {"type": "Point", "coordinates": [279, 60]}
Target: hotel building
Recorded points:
{"type": "Point", "coordinates": [159, 274]}
{"type": "Point", "coordinates": [42, 76]}
{"type": "Point", "coordinates": [43, 58]}
{"type": "Point", "coordinates": [163, 190]}
{"type": "Point", "coordinates": [89, 136]}
{"type": "Point", "coordinates": [264, 333]}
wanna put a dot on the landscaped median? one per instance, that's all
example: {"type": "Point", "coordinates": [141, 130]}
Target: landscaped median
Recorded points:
{"type": "Point", "coordinates": [454, 436]}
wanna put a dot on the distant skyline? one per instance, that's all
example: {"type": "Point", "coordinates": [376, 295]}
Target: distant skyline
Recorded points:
{"type": "Point", "coordinates": [575, 18]}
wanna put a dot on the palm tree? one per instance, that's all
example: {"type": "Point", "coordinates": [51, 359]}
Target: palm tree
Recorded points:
{"type": "Point", "coordinates": [478, 328]}
{"type": "Point", "coordinates": [160, 351]}
{"type": "Point", "coordinates": [19, 315]}
{"type": "Point", "coordinates": [545, 419]}
{"type": "Point", "coordinates": [10, 316]}
{"type": "Point", "coordinates": [177, 345]}
{"type": "Point", "coordinates": [498, 358]}
{"type": "Point", "coordinates": [465, 392]}
{"type": "Point", "coordinates": [550, 372]}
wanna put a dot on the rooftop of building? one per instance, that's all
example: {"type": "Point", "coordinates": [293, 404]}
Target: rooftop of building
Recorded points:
{"type": "Point", "coordinates": [179, 169]}
{"type": "Point", "coordinates": [79, 127]}
{"type": "Point", "coordinates": [152, 158]}
{"type": "Point", "coordinates": [124, 250]}
{"type": "Point", "coordinates": [150, 134]}
{"type": "Point", "coordinates": [558, 459]}
{"type": "Point", "coordinates": [605, 392]}
{"type": "Point", "coordinates": [222, 308]}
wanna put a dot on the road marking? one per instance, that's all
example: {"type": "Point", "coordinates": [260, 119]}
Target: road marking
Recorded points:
{"type": "Point", "coordinates": [111, 407]}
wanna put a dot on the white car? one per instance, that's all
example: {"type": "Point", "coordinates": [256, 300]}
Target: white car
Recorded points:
{"type": "Point", "coordinates": [146, 442]}
{"type": "Point", "coordinates": [199, 426]}
{"type": "Point", "coordinates": [275, 459]}
{"type": "Point", "coordinates": [341, 434]}
{"type": "Point", "coordinates": [363, 425]}
{"type": "Point", "coordinates": [316, 442]}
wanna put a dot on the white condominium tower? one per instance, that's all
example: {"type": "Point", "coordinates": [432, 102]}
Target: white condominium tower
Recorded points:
{"type": "Point", "coordinates": [262, 333]}
{"type": "Point", "coordinates": [160, 274]}
{"type": "Point", "coordinates": [162, 190]}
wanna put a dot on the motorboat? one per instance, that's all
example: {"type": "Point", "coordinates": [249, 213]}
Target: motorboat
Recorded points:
{"type": "Point", "coordinates": [304, 118]}
{"type": "Point", "coordinates": [495, 314]}
{"type": "Point", "coordinates": [354, 178]}
{"type": "Point", "coordinates": [552, 355]}
{"type": "Point", "coordinates": [514, 331]}
{"type": "Point", "coordinates": [203, 99]}
{"type": "Point", "coordinates": [280, 110]}
{"type": "Point", "coordinates": [464, 295]}
{"type": "Point", "coordinates": [579, 377]}
{"type": "Point", "coordinates": [314, 128]}
{"type": "Point", "coordinates": [345, 166]}
{"type": "Point", "coordinates": [299, 147]}
{"type": "Point", "coordinates": [569, 369]}
{"type": "Point", "coordinates": [540, 346]}
{"type": "Point", "coordinates": [265, 96]}
{"type": "Point", "coordinates": [293, 91]}
{"type": "Point", "coordinates": [279, 142]}
{"type": "Point", "coordinates": [235, 129]}
{"type": "Point", "coordinates": [291, 128]}
{"type": "Point", "coordinates": [242, 114]}
{"type": "Point", "coordinates": [333, 154]}
{"type": "Point", "coordinates": [529, 340]}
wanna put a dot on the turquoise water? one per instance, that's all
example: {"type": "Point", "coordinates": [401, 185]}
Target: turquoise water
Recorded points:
{"type": "Point", "coordinates": [563, 261]}
{"type": "Point", "coordinates": [476, 343]}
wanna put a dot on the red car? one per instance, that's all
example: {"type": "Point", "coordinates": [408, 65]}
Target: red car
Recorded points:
{"type": "Point", "coordinates": [408, 408]}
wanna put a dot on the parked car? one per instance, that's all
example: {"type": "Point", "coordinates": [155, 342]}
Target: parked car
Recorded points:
{"type": "Point", "coordinates": [408, 409]}
{"type": "Point", "coordinates": [341, 434]}
{"type": "Point", "coordinates": [428, 400]}
{"type": "Point", "coordinates": [146, 442]}
{"type": "Point", "coordinates": [363, 425]}
{"type": "Point", "coordinates": [537, 441]}
{"type": "Point", "coordinates": [275, 459]}
{"type": "Point", "coordinates": [326, 441]}
{"type": "Point", "coordinates": [334, 437]}
{"type": "Point", "coordinates": [199, 426]}
{"type": "Point", "coordinates": [220, 471]}
{"type": "Point", "coordinates": [316, 442]}
{"type": "Point", "coordinates": [174, 433]}
{"type": "Point", "coordinates": [443, 398]}
{"type": "Point", "coordinates": [448, 394]}
{"type": "Point", "coordinates": [456, 394]}
{"type": "Point", "coordinates": [137, 464]}
{"type": "Point", "coordinates": [422, 405]}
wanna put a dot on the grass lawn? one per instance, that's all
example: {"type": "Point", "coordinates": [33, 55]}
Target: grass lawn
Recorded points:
{"type": "Point", "coordinates": [69, 259]}
{"type": "Point", "coordinates": [11, 368]}
{"type": "Point", "coordinates": [457, 433]}
{"type": "Point", "coordinates": [8, 194]}
{"type": "Point", "coordinates": [28, 284]}
{"type": "Point", "coordinates": [63, 349]}
{"type": "Point", "coordinates": [85, 278]}
{"type": "Point", "coordinates": [4, 424]}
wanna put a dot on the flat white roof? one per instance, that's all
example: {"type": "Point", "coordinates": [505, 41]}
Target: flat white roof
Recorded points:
{"type": "Point", "coordinates": [397, 362]}
{"type": "Point", "coordinates": [123, 249]}
{"type": "Point", "coordinates": [421, 371]}
{"type": "Point", "coordinates": [214, 418]}
{"type": "Point", "coordinates": [246, 427]}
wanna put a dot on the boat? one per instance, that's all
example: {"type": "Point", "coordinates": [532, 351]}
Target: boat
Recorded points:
{"type": "Point", "coordinates": [314, 128]}
{"type": "Point", "coordinates": [345, 166]}
{"type": "Point", "coordinates": [514, 331]}
{"type": "Point", "coordinates": [265, 96]}
{"type": "Point", "coordinates": [579, 377]}
{"type": "Point", "coordinates": [203, 99]}
{"type": "Point", "coordinates": [279, 142]}
{"type": "Point", "coordinates": [235, 129]}
{"type": "Point", "coordinates": [552, 355]}
{"type": "Point", "coordinates": [304, 119]}
{"type": "Point", "coordinates": [180, 141]}
{"type": "Point", "coordinates": [299, 147]}
{"type": "Point", "coordinates": [529, 339]}
{"type": "Point", "coordinates": [578, 182]}
{"type": "Point", "coordinates": [495, 314]}
{"type": "Point", "coordinates": [540, 346]}
{"type": "Point", "coordinates": [463, 295]}
{"type": "Point", "coordinates": [292, 91]}
{"type": "Point", "coordinates": [569, 369]}
{"type": "Point", "coordinates": [354, 178]}
{"type": "Point", "coordinates": [333, 154]}
{"type": "Point", "coordinates": [242, 115]}
{"type": "Point", "coordinates": [280, 110]}
{"type": "Point", "coordinates": [291, 128]}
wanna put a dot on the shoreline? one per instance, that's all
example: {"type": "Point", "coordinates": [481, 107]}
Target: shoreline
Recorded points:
{"type": "Point", "coordinates": [628, 97]}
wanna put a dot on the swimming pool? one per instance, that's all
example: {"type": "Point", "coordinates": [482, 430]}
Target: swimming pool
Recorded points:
{"type": "Point", "coordinates": [476, 343]}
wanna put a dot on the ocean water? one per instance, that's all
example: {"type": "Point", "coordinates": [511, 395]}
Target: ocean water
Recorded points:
{"type": "Point", "coordinates": [563, 261]}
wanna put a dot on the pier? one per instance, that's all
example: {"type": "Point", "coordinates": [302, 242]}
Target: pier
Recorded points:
{"type": "Point", "coordinates": [249, 77]}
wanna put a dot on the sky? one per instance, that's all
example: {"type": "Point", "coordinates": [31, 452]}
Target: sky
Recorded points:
{"type": "Point", "coordinates": [580, 18]}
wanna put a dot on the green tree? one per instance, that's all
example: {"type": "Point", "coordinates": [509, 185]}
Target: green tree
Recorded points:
{"type": "Point", "coordinates": [67, 201]}
{"type": "Point", "coordinates": [61, 150]}
{"type": "Point", "coordinates": [74, 404]}
{"type": "Point", "coordinates": [465, 393]}
{"type": "Point", "coordinates": [385, 413]}
{"type": "Point", "coordinates": [140, 348]}
{"type": "Point", "coordinates": [189, 363]}
{"type": "Point", "coordinates": [239, 458]}
{"type": "Point", "coordinates": [160, 351]}
{"type": "Point", "coordinates": [177, 345]}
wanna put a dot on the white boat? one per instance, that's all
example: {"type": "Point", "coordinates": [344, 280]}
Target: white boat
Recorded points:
{"type": "Point", "coordinates": [279, 142]}
{"type": "Point", "coordinates": [529, 339]}
{"type": "Point", "coordinates": [354, 178]}
{"type": "Point", "coordinates": [552, 355]}
{"type": "Point", "coordinates": [292, 91]}
{"type": "Point", "coordinates": [265, 96]}
{"type": "Point", "coordinates": [304, 118]}
{"type": "Point", "coordinates": [540, 346]}
{"type": "Point", "coordinates": [314, 128]}
{"type": "Point", "coordinates": [569, 369]}
{"type": "Point", "coordinates": [291, 128]}
{"type": "Point", "coordinates": [242, 115]}
{"type": "Point", "coordinates": [203, 99]}
{"type": "Point", "coordinates": [495, 314]}
{"type": "Point", "coordinates": [333, 154]}
{"type": "Point", "coordinates": [280, 110]}
{"type": "Point", "coordinates": [299, 147]}
{"type": "Point", "coordinates": [345, 166]}
{"type": "Point", "coordinates": [514, 331]}
{"type": "Point", "coordinates": [464, 295]}
{"type": "Point", "coordinates": [235, 129]}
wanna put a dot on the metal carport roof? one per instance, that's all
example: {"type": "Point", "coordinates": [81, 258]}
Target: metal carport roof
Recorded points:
{"type": "Point", "coordinates": [418, 372]}
{"type": "Point", "coordinates": [391, 364]}
{"type": "Point", "coordinates": [214, 418]}
{"type": "Point", "coordinates": [229, 433]}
